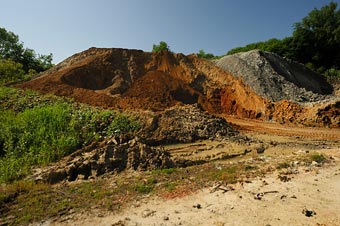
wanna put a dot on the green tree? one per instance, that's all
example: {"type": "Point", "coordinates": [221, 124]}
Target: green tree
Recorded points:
{"type": "Point", "coordinates": [11, 48]}
{"type": "Point", "coordinates": [316, 39]}
{"type": "Point", "coordinates": [161, 47]}
{"type": "Point", "coordinates": [205, 55]}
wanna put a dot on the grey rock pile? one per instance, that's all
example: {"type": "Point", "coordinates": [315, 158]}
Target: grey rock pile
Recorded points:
{"type": "Point", "coordinates": [276, 78]}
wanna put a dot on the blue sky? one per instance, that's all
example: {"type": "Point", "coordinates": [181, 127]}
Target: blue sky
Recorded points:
{"type": "Point", "coordinates": [65, 27]}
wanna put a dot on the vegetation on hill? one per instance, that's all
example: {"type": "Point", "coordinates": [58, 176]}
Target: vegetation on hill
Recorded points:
{"type": "Point", "coordinates": [203, 54]}
{"type": "Point", "coordinates": [36, 130]}
{"type": "Point", "coordinates": [18, 63]}
{"type": "Point", "coordinates": [160, 47]}
{"type": "Point", "coordinates": [315, 41]}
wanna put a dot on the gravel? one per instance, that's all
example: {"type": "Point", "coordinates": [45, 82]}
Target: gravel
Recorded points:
{"type": "Point", "coordinates": [276, 78]}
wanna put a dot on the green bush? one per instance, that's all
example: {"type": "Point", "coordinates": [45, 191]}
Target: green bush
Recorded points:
{"type": "Point", "coordinates": [163, 46]}
{"type": "Point", "coordinates": [122, 124]}
{"type": "Point", "coordinates": [202, 54]}
{"type": "Point", "coordinates": [10, 71]}
{"type": "Point", "coordinates": [332, 73]}
{"type": "Point", "coordinates": [319, 158]}
{"type": "Point", "coordinates": [48, 129]}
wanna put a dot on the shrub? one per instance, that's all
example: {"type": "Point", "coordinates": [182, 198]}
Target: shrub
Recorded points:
{"type": "Point", "coordinates": [161, 47]}
{"type": "Point", "coordinates": [122, 124]}
{"type": "Point", "coordinates": [202, 54]}
{"type": "Point", "coordinates": [49, 128]}
{"type": "Point", "coordinates": [10, 71]}
{"type": "Point", "coordinates": [319, 158]}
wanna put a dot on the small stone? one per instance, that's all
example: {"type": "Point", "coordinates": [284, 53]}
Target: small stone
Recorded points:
{"type": "Point", "coordinates": [147, 213]}
{"type": "Point", "coordinates": [166, 218]}
{"type": "Point", "coordinates": [260, 149]}
{"type": "Point", "coordinates": [308, 213]}
{"type": "Point", "coordinates": [314, 163]}
{"type": "Point", "coordinates": [198, 206]}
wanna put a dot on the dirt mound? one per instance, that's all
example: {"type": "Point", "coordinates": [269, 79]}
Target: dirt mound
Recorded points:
{"type": "Point", "coordinates": [127, 79]}
{"type": "Point", "coordinates": [110, 156]}
{"type": "Point", "coordinates": [133, 79]}
{"type": "Point", "coordinates": [184, 124]}
{"type": "Point", "coordinates": [276, 78]}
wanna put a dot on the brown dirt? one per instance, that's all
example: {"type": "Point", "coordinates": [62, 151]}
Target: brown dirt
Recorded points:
{"type": "Point", "coordinates": [133, 79]}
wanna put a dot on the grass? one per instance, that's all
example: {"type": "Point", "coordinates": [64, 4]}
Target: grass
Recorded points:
{"type": "Point", "coordinates": [164, 171]}
{"type": "Point", "coordinates": [319, 158]}
{"type": "Point", "coordinates": [37, 129]}
{"type": "Point", "coordinates": [283, 165]}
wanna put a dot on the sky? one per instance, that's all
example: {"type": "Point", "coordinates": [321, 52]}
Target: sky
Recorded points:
{"type": "Point", "coordinates": [66, 27]}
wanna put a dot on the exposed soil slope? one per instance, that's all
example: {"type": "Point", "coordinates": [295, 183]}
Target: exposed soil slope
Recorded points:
{"type": "Point", "coordinates": [133, 79]}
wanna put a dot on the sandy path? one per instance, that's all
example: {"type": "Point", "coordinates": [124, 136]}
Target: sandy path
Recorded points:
{"type": "Point", "coordinates": [261, 127]}
{"type": "Point", "coordinates": [316, 189]}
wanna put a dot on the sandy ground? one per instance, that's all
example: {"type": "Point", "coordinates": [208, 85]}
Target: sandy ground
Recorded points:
{"type": "Point", "coordinates": [264, 201]}
{"type": "Point", "coordinates": [310, 195]}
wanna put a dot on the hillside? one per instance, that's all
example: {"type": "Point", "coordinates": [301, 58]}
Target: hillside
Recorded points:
{"type": "Point", "coordinates": [257, 84]}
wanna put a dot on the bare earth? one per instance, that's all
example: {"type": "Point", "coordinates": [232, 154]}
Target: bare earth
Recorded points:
{"type": "Point", "coordinates": [303, 195]}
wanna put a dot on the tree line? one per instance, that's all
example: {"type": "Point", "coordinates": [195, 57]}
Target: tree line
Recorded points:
{"type": "Point", "coordinates": [17, 62]}
{"type": "Point", "coordinates": [315, 41]}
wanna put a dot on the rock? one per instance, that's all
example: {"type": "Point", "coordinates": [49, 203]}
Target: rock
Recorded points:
{"type": "Point", "coordinates": [166, 218]}
{"type": "Point", "coordinates": [284, 178]}
{"type": "Point", "coordinates": [105, 158]}
{"type": "Point", "coordinates": [197, 206]}
{"type": "Point", "coordinates": [314, 163]}
{"type": "Point", "coordinates": [148, 213]}
{"type": "Point", "coordinates": [308, 212]}
{"type": "Point", "coordinates": [260, 149]}
{"type": "Point", "coordinates": [55, 176]}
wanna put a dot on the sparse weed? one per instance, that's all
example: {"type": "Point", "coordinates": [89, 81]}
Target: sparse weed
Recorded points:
{"type": "Point", "coordinates": [164, 171]}
{"type": "Point", "coordinates": [250, 168]}
{"type": "Point", "coordinates": [283, 165]}
{"type": "Point", "coordinates": [319, 158]}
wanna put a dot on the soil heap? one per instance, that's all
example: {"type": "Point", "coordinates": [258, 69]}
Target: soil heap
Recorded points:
{"type": "Point", "coordinates": [256, 84]}
{"type": "Point", "coordinates": [183, 124]}
{"type": "Point", "coordinates": [133, 79]}
{"type": "Point", "coordinates": [276, 78]}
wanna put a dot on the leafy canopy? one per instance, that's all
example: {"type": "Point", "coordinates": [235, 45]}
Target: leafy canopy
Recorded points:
{"type": "Point", "coordinates": [314, 42]}
{"type": "Point", "coordinates": [161, 47]}
{"type": "Point", "coordinates": [202, 54]}
{"type": "Point", "coordinates": [12, 49]}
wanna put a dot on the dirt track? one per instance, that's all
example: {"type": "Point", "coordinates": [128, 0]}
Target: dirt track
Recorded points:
{"type": "Point", "coordinates": [262, 127]}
